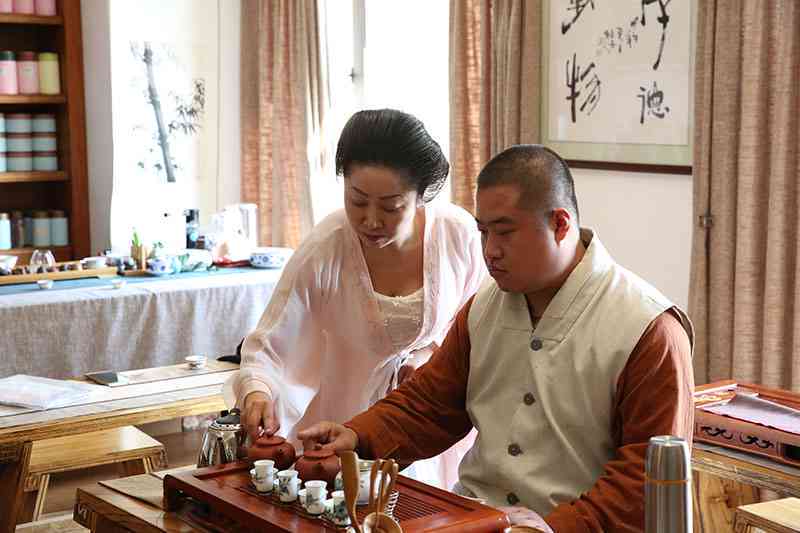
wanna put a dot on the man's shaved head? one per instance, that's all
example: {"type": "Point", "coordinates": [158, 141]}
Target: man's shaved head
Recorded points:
{"type": "Point", "coordinates": [543, 178]}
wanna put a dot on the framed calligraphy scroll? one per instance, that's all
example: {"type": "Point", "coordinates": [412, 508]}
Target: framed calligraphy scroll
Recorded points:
{"type": "Point", "coordinates": [617, 83]}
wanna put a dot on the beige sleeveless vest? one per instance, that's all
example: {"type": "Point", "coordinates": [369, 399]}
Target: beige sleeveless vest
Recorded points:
{"type": "Point", "coordinates": [542, 400]}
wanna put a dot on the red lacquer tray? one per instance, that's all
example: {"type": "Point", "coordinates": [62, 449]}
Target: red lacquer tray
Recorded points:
{"type": "Point", "coordinates": [778, 445]}
{"type": "Point", "coordinates": [223, 499]}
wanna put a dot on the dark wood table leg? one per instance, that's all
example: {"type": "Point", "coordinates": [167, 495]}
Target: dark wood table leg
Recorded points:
{"type": "Point", "coordinates": [14, 459]}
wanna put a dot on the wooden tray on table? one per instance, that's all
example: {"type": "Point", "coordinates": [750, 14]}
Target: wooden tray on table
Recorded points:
{"type": "Point", "coordinates": [104, 272]}
{"type": "Point", "coordinates": [753, 436]}
{"type": "Point", "coordinates": [222, 498]}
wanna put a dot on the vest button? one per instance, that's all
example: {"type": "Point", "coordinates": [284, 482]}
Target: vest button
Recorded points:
{"type": "Point", "coordinates": [512, 499]}
{"type": "Point", "coordinates": [536, 344]}
{"type": "Point", "coordinates": [514, 449]}
{"type": "Point", "coordinates": [529, 399]}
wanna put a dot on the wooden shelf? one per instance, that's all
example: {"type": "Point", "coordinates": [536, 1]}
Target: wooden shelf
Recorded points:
{"type": "Point", "coordinates": [15, 18]}
{"type": "Point", "coordinates": [62, 253]}
{"type": "Point", "coordinates": [30, 177]}
{"type": "Point", "coordinates": [32, 99]}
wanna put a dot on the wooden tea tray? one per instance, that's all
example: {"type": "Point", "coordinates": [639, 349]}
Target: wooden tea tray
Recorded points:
{"type": "Point", "coordinates": [104, 272]}
{"type": "Point", "coordinates": [222, 499]}
{"type": "Point", "coordinates": [778, 445]}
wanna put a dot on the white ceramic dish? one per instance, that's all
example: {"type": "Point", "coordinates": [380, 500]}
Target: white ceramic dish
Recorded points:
{"type": "Point", "coordinates": [8, 261]}
{"type": "Point", "coordinates": [94, 262]}
{"type": "Point", "coordinates": [196, 362]}
{"type": "Point", "coordinates": [270, 257]}
{"type": "Point", "coordinates": [45, 283]}
{"type": "Point", "coordinates": [118, 283]}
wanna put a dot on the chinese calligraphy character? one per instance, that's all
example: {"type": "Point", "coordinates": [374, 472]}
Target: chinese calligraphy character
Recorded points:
{"type": "Point", "coordinates": [580, 81]}
{"type": "Point", "coordinates": [652, 101]}
{"type": "Point", "coordinates": [662, 19]}
{"type": "Point", "coordinates": [613, 39]}
{"type": "Point", "coordinates": [577, 6]}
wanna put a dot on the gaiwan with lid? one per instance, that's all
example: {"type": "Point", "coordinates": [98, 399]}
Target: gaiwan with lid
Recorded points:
{"type": "Point", "coordinates": [275, 448]}
{"type": "Point", "coordinates": [319, 464]}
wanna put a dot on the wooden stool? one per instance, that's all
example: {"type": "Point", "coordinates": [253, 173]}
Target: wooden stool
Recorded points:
{"type": "Point", "coordinates": [779, 516]}
{"type": "Point", "coordinates": [61, 524]}
{"type": "Point", "coordinates": [131, 449]}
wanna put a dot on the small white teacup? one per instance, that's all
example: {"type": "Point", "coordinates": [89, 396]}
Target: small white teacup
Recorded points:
{"type": "Point", "coordinates": [339, 513]}
{"type": "Point", "coordinates": [301, 496]}
{"type": "Point", "coordinates": [264, 467]}
{"type": "Point", "coordinates": [262, 483]}
{"type": "Point", "coordinates": [288, 485]}
{"type": "Point", "coordinates": [316, 493]}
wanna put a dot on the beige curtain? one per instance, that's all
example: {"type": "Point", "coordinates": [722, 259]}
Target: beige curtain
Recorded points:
{"type": "Point", "coordinates": [495, 79]}
{"type": "Point", "coordinates": [284, 95]}
{"type": "Point", "coordinates": [744, 296]}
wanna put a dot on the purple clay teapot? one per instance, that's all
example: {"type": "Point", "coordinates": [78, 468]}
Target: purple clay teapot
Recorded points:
{"type": "Point", "coordinates": [275, 448]}
{"type": "Point", "coordinates": [318, 464]}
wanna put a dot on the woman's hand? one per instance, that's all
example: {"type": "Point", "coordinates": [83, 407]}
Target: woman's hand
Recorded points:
{"type": "Point", "coordinates": [259, 412]}
{"type": "Point", "coordinates": [330, 436]}
{"type": "Point", "coordinates": [523, 518]}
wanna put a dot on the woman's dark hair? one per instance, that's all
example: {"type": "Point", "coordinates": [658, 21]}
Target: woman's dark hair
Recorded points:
{"type": "Point", "coordinates": [397, 140]}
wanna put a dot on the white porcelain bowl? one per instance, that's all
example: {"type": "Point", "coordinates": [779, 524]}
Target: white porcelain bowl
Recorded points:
{"type": "Point", "coordinates": [8, 262]}
{"type": "Point", "coordinates": [45, 283]}
{"type": "Point", "coordinates": [196, 362]}
{"type": "Point", "coordinates": [270, 257]}
{"type": "Point", "coordinates": [94, 262]}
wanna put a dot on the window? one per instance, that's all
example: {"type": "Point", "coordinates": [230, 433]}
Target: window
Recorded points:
{"type": "Point", "coordinates": [384, 54]}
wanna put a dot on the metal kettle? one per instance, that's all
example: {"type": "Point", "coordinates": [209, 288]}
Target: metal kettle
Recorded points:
{"type": "Point", "coordinates": [224, 441]}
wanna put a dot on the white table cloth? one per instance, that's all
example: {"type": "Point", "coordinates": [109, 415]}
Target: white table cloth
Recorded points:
{"type": "Point", "coordinates": [66, 333]}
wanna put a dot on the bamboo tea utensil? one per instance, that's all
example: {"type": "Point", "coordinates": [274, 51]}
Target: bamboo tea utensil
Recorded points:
{"type": "Point", "coordinates": [377, 521]}
{"type": "Point", "coordinates": [350, 481]}
{"type": "Point", "coordinates": [376, 465]}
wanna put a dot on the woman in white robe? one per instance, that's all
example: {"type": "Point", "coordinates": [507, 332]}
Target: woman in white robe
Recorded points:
{"type": "Point", "coordinates": [369, 294]}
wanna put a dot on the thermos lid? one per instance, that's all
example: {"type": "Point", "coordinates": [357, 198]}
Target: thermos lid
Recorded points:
{"type": "Point", "coordinates": [41, 214]}
{"type": "Point", "coordinates": [4, 216]}
{"type": "Point", "coordinates": [26, 56]}
{"type": "Point", "coordinates": [668, 459]}
{"type": "Point", "coordinates": [6, 55]}
{"type": "Point", "coordinates": [48, 56]}
{"type": "Point", "coordinates": [57, 213]}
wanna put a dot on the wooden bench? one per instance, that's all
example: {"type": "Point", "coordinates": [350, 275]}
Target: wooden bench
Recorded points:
{"type": "Point", "coordinates": [778, 516]}
{"type": "Point", "coordinates": [131, 449]}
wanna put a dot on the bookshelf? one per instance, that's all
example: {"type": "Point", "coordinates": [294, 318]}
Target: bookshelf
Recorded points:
{"type": "Point", "coordinates": [66, 189]}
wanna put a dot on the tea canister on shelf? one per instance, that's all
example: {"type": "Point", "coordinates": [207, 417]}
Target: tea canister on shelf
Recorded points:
{"type": "Point", "coordinates": [49, 77]}
{"type": "Point", "coordinates": [3, 162]}
{"type": "Point", "coordinates": [19, 161]}
{"type": "Point", "coordinates": [25, 7]}
{"type": "Point", "coordinates": [45, 8]}
{"type": "Point", "coordinates": [43, 123]}
{"type": "Point", "coordinates": [41, 228]}
{"type": "Point", "coordinates": [45, 161]}
{"type": "Point", "coordinates": [44, 142]}
{"type": "Point", "coordinates": [6, 6]}
{"type": "Point", "coordinates": [19, 142]}
{"type": "Point", "coordinates": [17, 229]}
{"type": "Point", "coordinates": [5, 232]}
{"type": "Point", "coordinates": [19, 123]}
{"type": "Point", "coordinates": [27, 73]}
{"type": "Point", "coordinates": [8, 73]}
{"type": "Point", "coordinates": [28, 223]}
{"type": "Point", "coordinates": [59, 228]}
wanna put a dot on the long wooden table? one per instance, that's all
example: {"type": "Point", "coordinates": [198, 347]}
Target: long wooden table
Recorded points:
{"type": "Point", "coordinates": [112, 407]}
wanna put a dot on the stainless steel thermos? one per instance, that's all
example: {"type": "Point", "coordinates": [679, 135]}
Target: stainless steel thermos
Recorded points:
{"type": "Point", "coordinates": [668, 486]}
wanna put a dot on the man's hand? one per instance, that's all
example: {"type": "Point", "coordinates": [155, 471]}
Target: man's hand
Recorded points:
{"type": "Point", "coordinates": [330, 436]}
{"type": "Point", "coordinates": [259, 412]}
{"type": "Point", "coordinates": [525, 518]}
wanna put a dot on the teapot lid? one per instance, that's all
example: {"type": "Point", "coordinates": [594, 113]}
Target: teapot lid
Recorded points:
{"type": "Point", "coordinates": [228, 421]}
{"type": "Point", "coordinates": [273, 440]}
{"type": "Point", "coordinates": [320, 453]}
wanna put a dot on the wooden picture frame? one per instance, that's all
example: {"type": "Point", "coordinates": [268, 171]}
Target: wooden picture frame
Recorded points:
{"type": "Point", "coordinates": [612, 97]}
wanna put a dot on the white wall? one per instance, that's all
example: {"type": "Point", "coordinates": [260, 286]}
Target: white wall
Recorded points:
{"type": "Point", "coordinates": [107, 26]}
{"type": "Point", "coordinates": [645, 220]}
